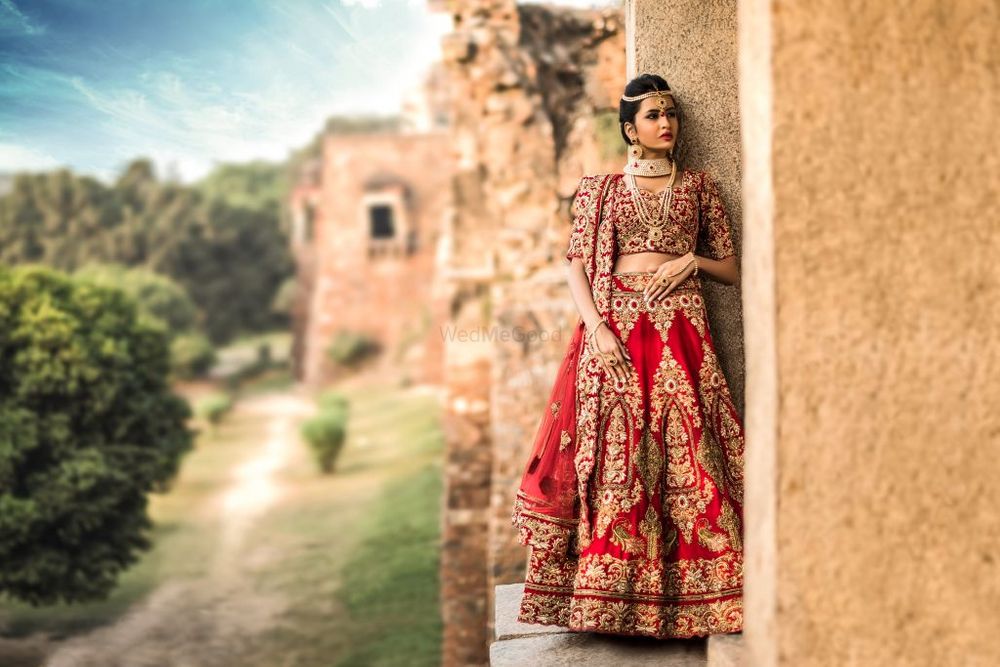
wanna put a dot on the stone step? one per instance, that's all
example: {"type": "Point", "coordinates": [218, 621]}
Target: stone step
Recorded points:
{"type": "Point", "coordinates": [517, 644]}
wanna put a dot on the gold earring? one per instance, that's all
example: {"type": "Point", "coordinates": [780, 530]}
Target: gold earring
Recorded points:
{"type": "Point", "coordinates": [635, 150]}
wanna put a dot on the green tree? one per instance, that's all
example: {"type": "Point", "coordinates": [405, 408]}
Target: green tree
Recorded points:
{"type": "Point", "coordinates": [222, 241]}
{"type": "Point", "coordinates": [158, 297]}
{"type": "Point", "coordinates": [257, 185]}
{"type": "Point", "coordinates": [88, 427]}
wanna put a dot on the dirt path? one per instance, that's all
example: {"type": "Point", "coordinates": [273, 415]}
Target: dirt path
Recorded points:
{"type": "Point", "coordinates": [207, 621]}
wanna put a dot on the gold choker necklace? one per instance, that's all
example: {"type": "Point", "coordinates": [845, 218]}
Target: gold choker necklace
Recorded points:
{"type": "Point", "coordinates": [655, 167]}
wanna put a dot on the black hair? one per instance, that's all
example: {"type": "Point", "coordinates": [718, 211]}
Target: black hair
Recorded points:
{"type": "Point", "coordinates": [644, 83]}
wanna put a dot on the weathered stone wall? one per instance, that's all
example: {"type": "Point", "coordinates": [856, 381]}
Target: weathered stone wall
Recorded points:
{"type": "Point", "coordinates": [692, 44]}
{"type": "Point", "coordinates": [875, 288]}
{"type": "Point", "coordinates": [532, 88]}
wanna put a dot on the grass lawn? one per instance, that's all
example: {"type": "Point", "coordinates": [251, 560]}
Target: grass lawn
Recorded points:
{"type": "Point", "coordinates": [360, 549]}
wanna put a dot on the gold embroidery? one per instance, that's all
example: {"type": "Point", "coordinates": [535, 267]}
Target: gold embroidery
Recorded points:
{"type": "Point", "coordinates": [627, 304]}
{"type": "Point", "coordinates": [649, 463]}
{"type": "Point", "coordinates": [713, 224]}
{"type": "Point", "coordinates": [595, 615]}
{"type": "Point", "coordinates": [725, 434]}
{"type": "Point", "coordinates": [710, 458]}
{"type": "Point", "coordinates": [709, 539]}
{"type": "Point", "coordinates": [625, 310]}
{"type": "Point", "coordinates": [671, 384]}
{"type": "Point", "coordinates": [686, 506]}
{"type": "Point", "coordinates": [651, 527]}
{"type": "Point", "coordinates": [731, 437]}
{"type": "Point", "coordinates": [625, 540]}
{"type": "Point", "coordinates": [609, 417]}
{"type": "Point", "coordinates": [682, 224]}
{"type": "Point", "coordinates": [653, 579]}
{"type": "Point", "coordinates": [616, 428]}
{"type": "Point", "coordinates": [564, 440]}
{"type": "Point", "coordinates": [539, 530]}
{"type": "Point", "coordinates": [680, 466]}
{"type": "Point", "coordinates": [731, 523]}
{"type": "Point", "coordinates": [676, 416]}
{"type": "Point", "coordinates": [555, 407]}
{"type": "Point", "coordinates": [647, 594]}
{"type": "Point", "coordinates": [612, 502]}
{"type": "Point", "coordinates": [679, 449]}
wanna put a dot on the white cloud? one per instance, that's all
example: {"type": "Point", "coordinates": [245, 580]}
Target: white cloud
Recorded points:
{"type": "Point", "coordinates": [14, 157]}
{"type": "Point", "coordinates": [271, 91]}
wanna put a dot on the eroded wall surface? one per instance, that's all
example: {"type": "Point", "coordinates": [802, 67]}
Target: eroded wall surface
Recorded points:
{"type": "Point", "coordinates": [885, 235]}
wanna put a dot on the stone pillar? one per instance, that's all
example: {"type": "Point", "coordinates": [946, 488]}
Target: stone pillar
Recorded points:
{"type": "Point", "coordinates": [692, 44]}
{"type": "Point", "coordinates": [871, 291]}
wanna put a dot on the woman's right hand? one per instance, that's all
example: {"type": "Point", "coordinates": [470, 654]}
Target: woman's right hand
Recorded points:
{"type": "Point", "coordinates": [610, 347]}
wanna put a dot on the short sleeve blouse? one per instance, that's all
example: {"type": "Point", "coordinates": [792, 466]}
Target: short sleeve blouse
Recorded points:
{"type": "Point", "coordinates": [697, 218]}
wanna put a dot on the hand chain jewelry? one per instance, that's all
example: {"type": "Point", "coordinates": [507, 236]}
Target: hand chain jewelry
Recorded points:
{"type": "Point", "coordinates": [610, 356]}
{"type": "Point", "coordinates": [593, 332]}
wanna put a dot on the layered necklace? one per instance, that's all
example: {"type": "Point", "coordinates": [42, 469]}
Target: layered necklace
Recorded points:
{"type": "Point", "coordinates": [655, 225]}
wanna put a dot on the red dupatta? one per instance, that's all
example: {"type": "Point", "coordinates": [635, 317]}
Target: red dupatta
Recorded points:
{"type": "Point", "coordinates": [550, 508]}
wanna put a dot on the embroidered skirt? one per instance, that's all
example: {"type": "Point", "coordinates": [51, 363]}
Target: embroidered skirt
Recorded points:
{"type": "Point", "coordinates": [662, 555]}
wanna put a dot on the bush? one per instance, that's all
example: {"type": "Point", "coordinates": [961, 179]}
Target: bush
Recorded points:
{"type": "Point", "coordinates": [214, 407]}
{"type": "Point", "coordinates": [88, 427]}
{"type": "Point", "coordinates": [349, 349]}
{"type": "Point", "coordinates": [327, 431]}
{"type": "Point", "coordinates": [333, 401]}
{"type": "Point", "coordinates": [191, 355]}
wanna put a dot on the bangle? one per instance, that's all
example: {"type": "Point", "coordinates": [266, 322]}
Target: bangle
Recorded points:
{"type": "Point", "coordinates": [695, 260]}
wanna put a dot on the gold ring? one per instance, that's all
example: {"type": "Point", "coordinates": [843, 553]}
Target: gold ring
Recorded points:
{"type": "Point", "coordinates": [613, 360]}
{"type": "Point", "coordinates": [663, 281]}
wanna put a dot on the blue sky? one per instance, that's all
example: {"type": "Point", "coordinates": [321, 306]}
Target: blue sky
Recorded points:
{"type": "Point", "coordinates": [189, 83]}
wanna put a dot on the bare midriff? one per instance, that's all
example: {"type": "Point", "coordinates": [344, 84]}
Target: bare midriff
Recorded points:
{"type": "Point", "coordinates": [641, 261]}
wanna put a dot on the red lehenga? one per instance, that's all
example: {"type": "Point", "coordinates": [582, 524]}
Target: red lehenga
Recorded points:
{"type": "Point", "coordinates": [632, 498]}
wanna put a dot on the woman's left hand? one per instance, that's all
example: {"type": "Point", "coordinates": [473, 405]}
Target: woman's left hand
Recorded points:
{"type": "Point", "coordinates": [672, 273]}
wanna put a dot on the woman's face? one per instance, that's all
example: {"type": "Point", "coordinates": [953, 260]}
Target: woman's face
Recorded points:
{"type": "Point", "coordinates": [655, 125]}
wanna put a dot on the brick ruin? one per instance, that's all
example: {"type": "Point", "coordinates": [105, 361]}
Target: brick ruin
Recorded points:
{"type": "Point", "coordinates": [534, 107]}
{"type": "Point", "coordinates": [458, 270]}
{"type": "Point", "coordinates": [367, 224]}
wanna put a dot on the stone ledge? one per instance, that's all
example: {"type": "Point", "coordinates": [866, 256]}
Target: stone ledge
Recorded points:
{"type": "Point", "coordinates": [725, 651]}
{"type": "Point", "coordinates": [519, 644]}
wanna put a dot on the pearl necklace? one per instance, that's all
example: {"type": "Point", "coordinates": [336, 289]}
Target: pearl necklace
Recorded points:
{"type": "Point", "coordinates": [654, 226]}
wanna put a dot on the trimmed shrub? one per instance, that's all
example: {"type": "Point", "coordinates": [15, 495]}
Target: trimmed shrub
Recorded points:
{"type": "Point", "coordinates": [191, 356]}
{"type": "Point", "coordinates": [327, 431]}
{"type": "Point", "coordinates": [350, 349]}
{"type": "Point", "coordinates": [214, 407]}
{"type": "Point", "coordinates": [88, 427]}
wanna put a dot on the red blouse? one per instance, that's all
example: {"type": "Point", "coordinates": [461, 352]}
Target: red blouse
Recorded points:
{"type": "Point", "coordinates": [696, 213]}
